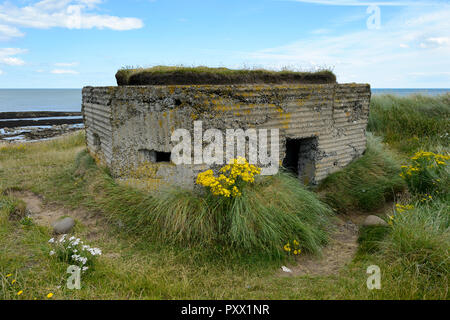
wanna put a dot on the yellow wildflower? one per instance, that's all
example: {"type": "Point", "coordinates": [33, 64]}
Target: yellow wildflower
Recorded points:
{"type": "Point", "coordinates": [225, 183]}
{"type": "Point", "coordinates": [391, 220]}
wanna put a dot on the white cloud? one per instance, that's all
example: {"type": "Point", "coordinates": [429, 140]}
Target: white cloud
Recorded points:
{"type": "Point", "coordinates": [8, 32]}
{"type": "Point", "coordinates": [7, 56]}
{"type": "Point", "coordinates": [1, 72]}
{"type": "Point", "coordinates": [415, 40]}
{"type": "Point", "coordinates": [71, 14]}
{"type": "Point", "coordinates": [13, 61]}
{"type": "Point", "coordinates": [64, 71]}
{"type": "Point", "coordinates": [66, 64]}
{"type": "Point", "coordinates": [440, 40]}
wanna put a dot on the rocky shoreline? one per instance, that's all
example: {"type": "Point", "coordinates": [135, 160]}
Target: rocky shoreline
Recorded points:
{"type": "Point", "coordinates": [36, 133]}
{"type": "Point", "coordinates": [25, 126]}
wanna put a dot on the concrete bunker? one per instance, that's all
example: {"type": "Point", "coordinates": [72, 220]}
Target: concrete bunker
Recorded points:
{"type": "Point", "coordinates": [321, 123]}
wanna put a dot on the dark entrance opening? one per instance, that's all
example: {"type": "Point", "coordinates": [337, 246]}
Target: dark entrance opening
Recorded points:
{"type": "Point", "coordinates": [300, 158]}
{"type": "Point", "coordinates": [154, 156]}
{"type": "Point", "coordinates": [290, 161]}
{"type": "Point", "coordinates": [162, 156]}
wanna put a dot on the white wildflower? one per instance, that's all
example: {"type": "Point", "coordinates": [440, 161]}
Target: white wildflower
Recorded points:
{"type": "Point", "coordinates": [95, 251]}
{"type": "Point", "coordinates": [52, 240]}
{"type": "Point", "coordinates": [52, 252]}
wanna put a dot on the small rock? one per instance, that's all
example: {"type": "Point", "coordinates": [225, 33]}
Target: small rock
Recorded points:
{"type": "Point", "coordinates": [63, 226]}
{"type": "Point", "coordinates": [374, 221]}
{"type": "Point", "coordinates": [286, 269]}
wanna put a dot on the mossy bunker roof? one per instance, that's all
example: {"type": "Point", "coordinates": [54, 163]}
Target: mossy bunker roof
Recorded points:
{"type": "Point", "coordinates": [162, 75]}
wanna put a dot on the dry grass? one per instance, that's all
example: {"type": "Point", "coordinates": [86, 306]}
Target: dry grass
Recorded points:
{"type": "Point", "coordinates": [173, 75]}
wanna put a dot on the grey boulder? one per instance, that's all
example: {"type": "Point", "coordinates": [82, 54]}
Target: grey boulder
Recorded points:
{"type": "Point", "coordinates": [63, 225]}
{"type": "Point", "coordinates": [374, 221]}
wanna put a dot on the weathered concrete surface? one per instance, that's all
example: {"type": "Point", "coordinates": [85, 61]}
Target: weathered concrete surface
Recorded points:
{"type": "Point", "coordinates": [123, 121]}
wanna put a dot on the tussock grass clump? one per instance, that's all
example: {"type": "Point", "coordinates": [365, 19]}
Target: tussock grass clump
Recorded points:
{"type": "Point", "coordinates": [367, 183]}
{"type": "Point", "coordinates": [411, 123]}
{"type": "Point", "coordinates": [428, 174]}
{"type": "Point", "coordinates": [12, 208]}
{"type": "Point", "coordinates": [179, 75]}
{"type": "Point", "coordinates": [419, 243]}
{"type": "Point", "coordinates": [370, 238]}
{"type": "Point", "coordinates": [268, 214]}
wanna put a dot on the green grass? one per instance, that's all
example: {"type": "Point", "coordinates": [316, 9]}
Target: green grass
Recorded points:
{"type": "Point", "coordinates": [418, 245]}
{"type": "Point", "coordinates": [367, 183]}
{"type": "Point", "coordinates": [370, 238]}
{"type": "Point", "coordinates": [411, 123]}
{"type": "Point", "coordinates": [170, 75]}
{"type": "Point", "coordinates": [421, 237]}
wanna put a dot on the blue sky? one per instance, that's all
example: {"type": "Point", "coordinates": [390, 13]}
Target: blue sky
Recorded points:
{"type": "Point", "coordinates": [74, 43]}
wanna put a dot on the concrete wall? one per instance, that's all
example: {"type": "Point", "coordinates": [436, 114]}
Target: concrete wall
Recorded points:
{"type": "Point", "coordinates": [120, 121]}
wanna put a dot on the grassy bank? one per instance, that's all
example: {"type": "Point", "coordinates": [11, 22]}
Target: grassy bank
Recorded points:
{"type": "Point", "coordinates": [411, 123]}
{"type": "Point", "coordinates": [367, 183]}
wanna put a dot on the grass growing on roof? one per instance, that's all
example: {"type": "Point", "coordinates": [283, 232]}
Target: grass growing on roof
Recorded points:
{"type": "Point", "coordinates": [173, 75]}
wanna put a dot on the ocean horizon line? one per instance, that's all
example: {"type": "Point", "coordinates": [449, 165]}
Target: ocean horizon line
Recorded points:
{"type": "Point", "coordinates": [69, 99]}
